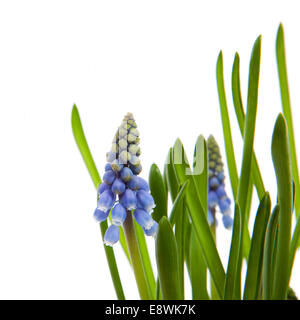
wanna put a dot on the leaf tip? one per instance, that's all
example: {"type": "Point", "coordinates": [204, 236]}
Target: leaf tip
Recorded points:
{"type": "Point", "coordinates": [279, 131]}
{"type": "Point", "coordinates": [220, 58]}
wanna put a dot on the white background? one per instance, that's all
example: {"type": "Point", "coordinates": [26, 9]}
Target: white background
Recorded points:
{"type": "Point", "coordinates": [154, 58]}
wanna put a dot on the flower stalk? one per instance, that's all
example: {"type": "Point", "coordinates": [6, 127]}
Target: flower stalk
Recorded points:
{"type": "Point", "coordinates": [135, 257]}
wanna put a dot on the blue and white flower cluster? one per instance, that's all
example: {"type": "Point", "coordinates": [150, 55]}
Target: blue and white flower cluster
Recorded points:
{"type": "Point", "coordinates": [123, 191]}
{"type": "Point", "coordinates": [216, 187]}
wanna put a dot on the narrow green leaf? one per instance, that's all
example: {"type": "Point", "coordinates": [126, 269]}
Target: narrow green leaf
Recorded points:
{"type": "Point", "coordinates": [282, 165]}
{"type": "Point", "coordinates": [158, 291]}
{"type": "Point", "coordinates": [229, 293]}
{"type": "Point", "coordinates": [176, 206]}
{"type": "Point", "coordinates": [249, 126]}
{"type": "Point", "coordinates": [145, 259]}
{"type": "Point", "coordinates": [249, 130]}
{"type": "Point", "coordinates": [90, 164]}
{"type": "Point", "coordinates": [187, 237]}
{"type": "Point", "coordinates": [246, 235]}
{"type": "Point", "coordinates": [198, 270]}
{"type": "Point", "coordinates": [172, 182]}
{"type": "Point", "coordinates": [167, 261]}
{"type": "Point", "coordinates": [269, 248]}
{"type": "Point", "coordinates": [158, 191]}
{"type": "Point", "coordinates": [179, 236]}
{"type": "Point", "coordinates": [198, 217]}
{"type": "Point", "coordinates": [200, 170]}
{"type": "Point", "coordinates": [83, 147]}
{"type": "Point", "coordinates": [254, 269]}
{"type": "Point", "coordinates": [233, 174]}
{"type": "Point", "coordinates": [287, 111]}
{"type": "Point", "coordinates": [240, 114]}
{"type": "Point", "coordinates": [294, 244]}
{"type": "Point", "coordinates": [166, 182]}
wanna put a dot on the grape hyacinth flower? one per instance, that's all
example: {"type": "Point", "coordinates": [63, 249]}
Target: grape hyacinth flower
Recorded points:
{"type": "Point", "coordinates": [122, 192]}
{"type": "Point", "coordinates": [217, 196]}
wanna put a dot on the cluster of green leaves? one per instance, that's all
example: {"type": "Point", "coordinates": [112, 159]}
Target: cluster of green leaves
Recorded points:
{"type": "Point", "coordinates": [184, 236]}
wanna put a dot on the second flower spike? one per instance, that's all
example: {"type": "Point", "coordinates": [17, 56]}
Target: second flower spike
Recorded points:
{"type": "Point", "coordinates": [217, 196]}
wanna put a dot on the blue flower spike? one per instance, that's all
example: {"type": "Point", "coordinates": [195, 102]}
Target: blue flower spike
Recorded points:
{"type": "Point", "coordinates": [122, 191]}
{"type": "Point", "coordinates": [217, 196]}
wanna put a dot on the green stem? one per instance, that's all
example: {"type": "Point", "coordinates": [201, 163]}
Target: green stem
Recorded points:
{"type": "Point", "coordinates": [135, 257]}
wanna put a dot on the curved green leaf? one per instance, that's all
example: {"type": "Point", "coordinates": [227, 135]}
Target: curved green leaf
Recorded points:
{"type": "Point", "coordinates": [198, 217]}
{"type": "Point", "coordinates": [268, 263]}
{"type": "Point", "coordinates": [255, 262]}
{"type": "Point", "coordinates": [173, 185]}
{"type": "Point", "coordinates": [176, 206]}
{"type": "Point", "coordinates": [90, 164]}
{"type": "Point", "coordinates": [158, 191]}
{"type": "Point", "coordinates": [198, 270]}
{"type": "Point", "coordinates": [244, 181]}
{"type": "Point", "coordinates": [282, 165]}
{"type": "Point", "coordinates": [240, 114]}
{"type": "Point", "coordinates": [294, 244]}
{"type": "Point", "coordinates": [233, 174]}
{"type": "Point", "coordinates": [167, 261]}
{"type": "Point", "coordinates": [180, 225]}
{"type": "Point", "coordinates": [200, 170]}
{"type": "Point", "coordinates": [229, 293]}
{"type": "Point", "coordinates": [287, 111]}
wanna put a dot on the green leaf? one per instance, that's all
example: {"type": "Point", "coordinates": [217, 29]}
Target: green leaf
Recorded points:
{"type": "Point", "coordinates": [229, 293]}
{"type": "Point", "coordinates": [158, 291]}
{"type": "Point", "coordinates": [158, 191]}
{"type": "Point", "coordinates": [233, 174]}
{"type": "Point", "coordinates": [255, 262]}
{"type": "Point", "coordinates": [282, 165]}
{"type": "Point", "coordinates": [198, 218]}
{"type": "Point", "coordinates": [187, 237]}
{"type": "Point", "coordinates": [198, 270]}
{"type": "Point", "coordinates": [172, 182]}
{"type": "Point", "coordinates": [246, 235]}
{"type": "Point", "coordinates": [287, 111]}
{"type": "Point", "coordinates": [200, 170]}
{"type": "Point", "coordinates": [180, 240]}
{"type": "Point", "coordinates": [90, 164]}
{"type": "Point", "coordinates": [176, 209]}
{"type": "Point", "coordinates": [167, 261]}
{"type": "Point", "coordinates": [240, 114]}
{"type": "Point", "coordinates": [270, 247]}
{"type": "Point", "coordinates": [83, 147]}
{"type": "Point", "coordinates": [145, 259]}
{"type": "Point", "coordinates": [294, 244]}
{"type": "Point", "coordinates": [244, 181]}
